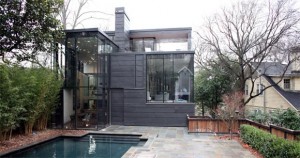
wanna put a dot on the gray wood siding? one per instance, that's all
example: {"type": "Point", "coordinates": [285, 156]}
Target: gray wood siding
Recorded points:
{"type": "Point", "coordinates": [128, 96]}
{"type": "Point", "coordinates": [117, 106]}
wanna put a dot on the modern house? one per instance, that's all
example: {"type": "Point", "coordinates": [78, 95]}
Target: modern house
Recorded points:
{"type": "Point", "coordinates": [284, 95]}
{"type": "Point", "coordinates": [126, 77]}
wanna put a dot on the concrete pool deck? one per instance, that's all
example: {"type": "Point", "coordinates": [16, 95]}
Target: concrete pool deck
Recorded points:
{"type": "Point", "coordinates": [176, 142]}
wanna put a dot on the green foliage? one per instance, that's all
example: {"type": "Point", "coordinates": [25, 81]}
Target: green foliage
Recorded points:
{"type": "Point", "coordinates": [211, 83]}
{"type": "Point", "coordinates": [260, 117]}
{"type": "Point", "coordinates": [269, 145]}
{"type": "Point", "coordinates": [290, 119]}
{"type": "Point", "coordinates": [286, 118]}
{"type": "Point", "coordinates": [28, 27]}
{"type": "Point", "coordinates": [26, 95]}
{"type": "Point", "coordinates": [10, 103]}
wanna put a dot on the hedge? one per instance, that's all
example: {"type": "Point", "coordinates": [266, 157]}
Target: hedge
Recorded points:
{"type": "Point", "coordinates": [270, 146]}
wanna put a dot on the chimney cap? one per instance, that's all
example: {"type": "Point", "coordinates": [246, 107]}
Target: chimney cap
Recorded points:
{"type": "Point", "coordinates": [120, 10]}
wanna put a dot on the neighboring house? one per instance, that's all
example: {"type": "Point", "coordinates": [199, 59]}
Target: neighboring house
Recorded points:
{"type": "Point", "coordinates": [126, 77]}
{"type": "Point", "coordinates": [284, 95]}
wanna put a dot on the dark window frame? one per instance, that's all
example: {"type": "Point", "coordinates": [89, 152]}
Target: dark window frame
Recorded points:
{"type": "Point", "coordinates": [173, 55]}
{"type": "Point", "coordinates": [287, 83]}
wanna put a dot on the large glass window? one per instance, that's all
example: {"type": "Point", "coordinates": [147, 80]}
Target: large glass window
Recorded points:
{"type": "Point", "coordinates": [170, 78]}
{"type": "Point", "coordinates": [87, 79]}
{"type": "Point", "coordinates": [142, 44]}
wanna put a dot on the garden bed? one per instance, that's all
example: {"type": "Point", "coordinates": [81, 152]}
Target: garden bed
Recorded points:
{"type": "Point", "coordinates": [19, 141]}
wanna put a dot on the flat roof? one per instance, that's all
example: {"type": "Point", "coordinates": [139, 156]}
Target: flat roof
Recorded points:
{"type": "Point", "coordinates": [91, 30]}
{"type": "Point", "coordinates": [160, 33]}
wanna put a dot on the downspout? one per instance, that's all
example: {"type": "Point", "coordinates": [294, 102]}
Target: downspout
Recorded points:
{"type": "Point", "coordinates": [264, 102]}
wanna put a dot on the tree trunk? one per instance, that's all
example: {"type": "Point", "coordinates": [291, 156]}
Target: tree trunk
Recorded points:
{"type": "Point", "coordinates": [2, 135]}
{"type": "Point", "coordinates": [10, 133]}
{"type": "Point", "coordinates": [28, 128]}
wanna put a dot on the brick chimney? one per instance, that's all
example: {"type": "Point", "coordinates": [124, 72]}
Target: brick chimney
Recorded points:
{"type": "Point", "coordinates": [122, 29]}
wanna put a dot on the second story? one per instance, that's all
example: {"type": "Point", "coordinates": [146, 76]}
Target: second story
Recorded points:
{"type": "Point", "coordinates": [284, 81]}
{"type": "Point", "coordinates": [148, 40]}
{"type": "Point", "coordinates": [287, 78]}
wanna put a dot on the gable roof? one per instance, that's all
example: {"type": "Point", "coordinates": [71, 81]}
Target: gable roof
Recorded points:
{"type": "Point", "coordinates": [272, 68]}
{"type": "Point", "coordinates": [185, 68]}
{"type": "Point", "coordinates": [292, 97]}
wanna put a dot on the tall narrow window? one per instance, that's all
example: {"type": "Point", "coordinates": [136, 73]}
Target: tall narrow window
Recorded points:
{"type": "Point", "coordinates": [246, 89]}
{"type": "Point", "coordinates": [259, 88]}
{"type": "Point", "coordinates": [287, 84]}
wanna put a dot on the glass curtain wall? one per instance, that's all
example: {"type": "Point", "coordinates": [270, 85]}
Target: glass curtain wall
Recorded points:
{"type": "Point", "coordinates": [170, 78]}
{"type": "Point", "coordinates": [143, 44]}
{"type": "Point", "coordinates": [87, 79]}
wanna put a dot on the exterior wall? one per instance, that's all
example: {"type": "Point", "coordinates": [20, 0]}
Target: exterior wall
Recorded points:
{"type": "Point", "coordinates": [296, 64]}
{"type": "Point", "coordinates": [271, 99]}
{"type": "Point", "coordinates": [296, 83]}
{"type": "Point", "coordinates": [121, 37]}
{"type": "Point", "coordinates": [117, 106]}
{"type": "Point", "coordinates": [128, 96]}
{"type": "Point", "coordinates": [68, 105]}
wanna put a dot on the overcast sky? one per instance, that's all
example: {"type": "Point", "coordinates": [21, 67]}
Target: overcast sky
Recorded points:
{"type": "Point", "coordinates": [151, 14]}
{"type": "Point", "coordinates": [146, 14]}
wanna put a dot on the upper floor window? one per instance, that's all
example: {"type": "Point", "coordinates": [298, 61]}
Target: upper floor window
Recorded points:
{"type": "Point", "coordinates": [259, 89]}
{"type": "Point", "coordinates": [142, 44]}
{"type": "Point", "coordinates": [246, 89]}
{"type": "Point", "coordinates": [287, 84]}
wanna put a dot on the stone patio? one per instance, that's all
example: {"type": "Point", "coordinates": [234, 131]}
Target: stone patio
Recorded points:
{"type": "Point", "coordinates": [176, 142]}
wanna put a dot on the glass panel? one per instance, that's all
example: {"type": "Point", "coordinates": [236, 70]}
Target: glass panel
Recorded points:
{"type": "Point", "coordinates": [148, 44]}
{"type": "Point", "coordinates": [87, 76]}
{"type": "Point", "coordinates": [155, 92]}
{"type": "Point", "coordinates": [168, 79]}
{"type": "Point", "coordinates": [108, 48]}
{"type": "Point", "coordinates": [101, 45]}
{"type": "Point", "coordinates": [137, 45]}
{"type": "Point", "coordinates": [183, 70]}
{"type": "Point", "coordinates": [70, 68]}
{"type": "Point", "coordinates": [171, 44]}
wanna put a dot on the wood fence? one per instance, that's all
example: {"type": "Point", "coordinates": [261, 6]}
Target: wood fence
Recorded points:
{"type": "Point", "coordinates": [198, 124]}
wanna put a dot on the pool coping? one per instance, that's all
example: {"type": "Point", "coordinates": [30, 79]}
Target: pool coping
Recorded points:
{"type": "Point", "coordinates": [140, 136]}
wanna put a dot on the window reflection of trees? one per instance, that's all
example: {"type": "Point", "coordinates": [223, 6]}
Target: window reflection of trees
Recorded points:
{"type": "Point", "coordinates": [170, 78]}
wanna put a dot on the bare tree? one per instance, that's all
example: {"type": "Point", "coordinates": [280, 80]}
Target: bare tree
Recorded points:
{"type": "Point", "coordinates": [74, 17]}
{"type": "Point", "coordinates": [229, 113]}
{"type": "Point", "coordinates": [251, 31]}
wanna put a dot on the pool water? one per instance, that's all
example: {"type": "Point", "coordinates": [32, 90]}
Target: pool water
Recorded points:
{"type": "Point", "coordinates": [90, 146]}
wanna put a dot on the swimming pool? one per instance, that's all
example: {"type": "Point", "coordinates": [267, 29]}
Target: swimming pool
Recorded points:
{"type": "Point", "coordinates": [89, 146]}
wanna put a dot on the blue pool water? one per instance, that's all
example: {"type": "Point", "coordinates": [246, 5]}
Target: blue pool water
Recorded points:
{"type": "Point", "coordinates": [90, 146]}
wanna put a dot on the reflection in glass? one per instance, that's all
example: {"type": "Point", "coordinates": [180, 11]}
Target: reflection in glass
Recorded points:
{"type": "Point", "coordinates": [86, 75]}
{"type": "Point", "coordinates": [170, 78]}
{"type": "Point", "coordinates": [143, 44]}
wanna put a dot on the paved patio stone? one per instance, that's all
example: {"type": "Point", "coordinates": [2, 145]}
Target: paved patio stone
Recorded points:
{"type": "Point", "coordinates": [176, 142]}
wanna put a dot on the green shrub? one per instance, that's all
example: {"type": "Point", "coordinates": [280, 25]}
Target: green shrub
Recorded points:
{"type": "Point", "coordinates": [269, 145]}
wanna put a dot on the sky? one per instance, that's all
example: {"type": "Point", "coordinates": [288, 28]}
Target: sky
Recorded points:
{"type": "Point", "coordinates": [147, 14]}
{"type": "Point", "coordinates": [152, 14]}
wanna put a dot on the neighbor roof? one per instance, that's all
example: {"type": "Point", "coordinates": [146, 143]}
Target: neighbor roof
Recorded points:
{"type": "Point", "coordinates": [292, 97]}
{"type": "Point", "coordinates": [272, 68]}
